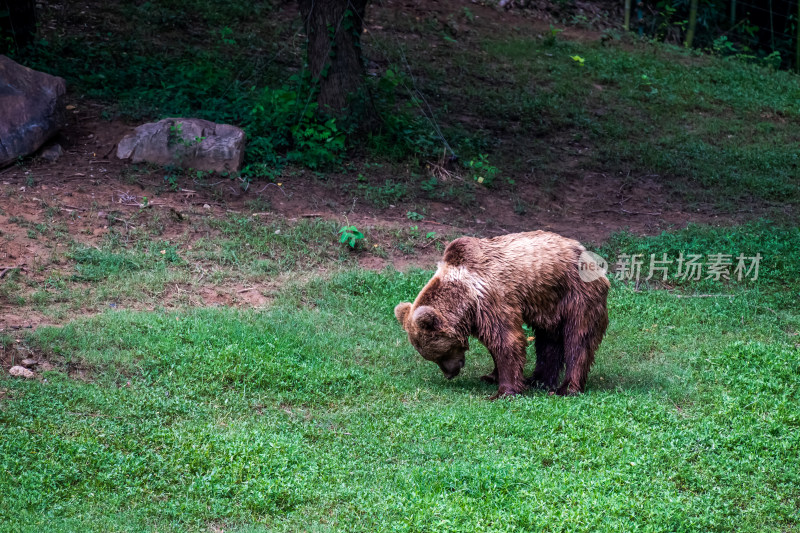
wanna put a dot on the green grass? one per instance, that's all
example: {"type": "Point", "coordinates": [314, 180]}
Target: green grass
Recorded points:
{"type": "Point", "coordinates": [774, 243]}
{"type": "Point", "coordinates": [725, 129]}
{"type": "Point", "coordinates": [316, 415]}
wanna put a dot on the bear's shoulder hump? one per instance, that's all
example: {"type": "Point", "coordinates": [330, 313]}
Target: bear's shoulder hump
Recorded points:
{"type": "Point", "coordinates": [459, 252]}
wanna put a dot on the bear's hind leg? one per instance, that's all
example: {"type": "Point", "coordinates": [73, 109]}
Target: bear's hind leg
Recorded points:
{"type": "Point", "coordinates": [582, 335]}
{"type": "Point", "coordinates": [549, 360]}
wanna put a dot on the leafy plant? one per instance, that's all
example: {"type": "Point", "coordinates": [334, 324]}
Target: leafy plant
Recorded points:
{"type": "Point", "coordinates": [286, 128]}
{"type": "Point", "coordinates": [317, 145]}
{"type": "Point", "coordinates": [413, 215]}
{"type": "Point", "coordinates": [552, 36]}
{"type": "Point", "coordinates": [468, 14]}
{"type": "Point", "coordinates": [429, 185]}
{"type": "Point", "coordinates": [350, 235]}
{"type": "Point", "coordinates": [175, 136]}
{"type": "Point", "coordinates": [773, 60]}
{"type": "Point", "coordinates": [171, 176]}
{"type": "Point", "coordinates": [482, 171]}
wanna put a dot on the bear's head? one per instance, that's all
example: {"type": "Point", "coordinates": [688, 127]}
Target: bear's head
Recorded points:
{"type": "Point", "coordinates": [429, 333]}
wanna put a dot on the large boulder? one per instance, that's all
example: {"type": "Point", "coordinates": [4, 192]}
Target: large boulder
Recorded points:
{"type": "Point", "coordinates": [31, 109]}
{"type": "Point", "coordinates": [186, 143]}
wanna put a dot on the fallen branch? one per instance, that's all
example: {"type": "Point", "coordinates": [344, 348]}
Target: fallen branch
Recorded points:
{"type": "Point", "coordinates": [6, 269]}
{"type": "Point", "coordinates": [427, 221]}
{"type": "Point", "coordinates": [439, 172]}
{"type": "Point", "coordinates": [701, 295]}
{"type": "Point", "coordinates": [624, 211]}
{"type": "Point", "coordinates": [264, 188]}
{"type": "Point", "coordinates": [127, 224]}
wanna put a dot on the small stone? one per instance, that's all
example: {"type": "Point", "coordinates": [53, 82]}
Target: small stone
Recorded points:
{"type": "Point", "coordinates": [52, 153]}
{"type": "Point", "coordinates": [206, 206]}
{"type": "Point", "coordinates": [21, 372]}
{"type": "Point", "coordinates": [28, 362]}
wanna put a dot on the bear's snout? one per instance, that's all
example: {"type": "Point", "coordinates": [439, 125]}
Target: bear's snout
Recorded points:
{"type": "Point", "coordinates": [451, 368]}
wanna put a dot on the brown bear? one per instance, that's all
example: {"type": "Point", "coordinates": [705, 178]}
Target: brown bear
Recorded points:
{"type": "Point", "coordinates": [489, 288]}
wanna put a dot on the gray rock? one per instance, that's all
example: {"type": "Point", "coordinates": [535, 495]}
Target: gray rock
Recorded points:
{"type": "Point", "coordinates": [52, 153]}
{"type": "Point", "coordinates": [28, 362]}
{"type": "Point", "coordinates": [186, 143]}
{"type": "Point", "coordinates": [21, 372]}
{"type": "Point", "coordinates": [31, 109]}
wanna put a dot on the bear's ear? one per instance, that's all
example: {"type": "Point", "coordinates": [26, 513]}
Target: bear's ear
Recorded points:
{"type": "Point", "coordinates": [401, 312]}
{"type": "Point", "coordinates": [427, 317]}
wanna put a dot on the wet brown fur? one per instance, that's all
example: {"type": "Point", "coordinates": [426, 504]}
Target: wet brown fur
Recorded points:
{"type": "Point", "coordinates": [487, 288]}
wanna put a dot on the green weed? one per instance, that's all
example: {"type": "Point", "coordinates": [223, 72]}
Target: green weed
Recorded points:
{"type": "Point", "coordinates": [350, 236]}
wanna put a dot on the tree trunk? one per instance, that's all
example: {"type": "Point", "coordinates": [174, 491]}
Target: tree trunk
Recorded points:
{"type": "Point", "coordinates": [334, 31]}
{"type": "Point", "coordinates": [17, 23]}
{"type": "Point", "coordinates": [627, 24]}
{"type": "Point", "coordinates": [692, 24]}
{"type": "Point", "coordinates": [797, 42]}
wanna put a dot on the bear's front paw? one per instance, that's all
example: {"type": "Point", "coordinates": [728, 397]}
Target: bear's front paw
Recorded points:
{"type": "Point", "coordinates": [505, 391]}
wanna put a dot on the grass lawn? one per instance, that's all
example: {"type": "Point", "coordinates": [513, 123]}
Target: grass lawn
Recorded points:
{"type": "Point", "coordinates": [316, 415]}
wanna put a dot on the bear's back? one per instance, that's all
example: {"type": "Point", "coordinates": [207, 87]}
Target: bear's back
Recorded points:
{"type": "Point", "coordinates": [531, 271]}
{"type": "Point", "coordinates": [537, 257]}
